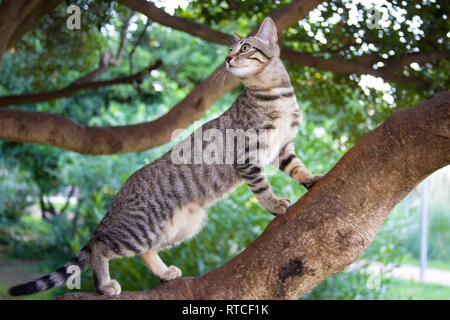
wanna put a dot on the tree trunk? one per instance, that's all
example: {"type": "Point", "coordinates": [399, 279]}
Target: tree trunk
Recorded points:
{"type": "Point", "coordinates": [332, 225]}
{"type": "Point", "coordinates": [18, 16]}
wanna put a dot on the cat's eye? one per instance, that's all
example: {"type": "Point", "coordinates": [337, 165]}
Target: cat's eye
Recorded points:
{"type": "Point", "coordinates": [245, 47]}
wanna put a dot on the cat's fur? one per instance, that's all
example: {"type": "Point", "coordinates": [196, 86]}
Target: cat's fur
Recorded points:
{"type": "Point", "coordinates": [162, 204]}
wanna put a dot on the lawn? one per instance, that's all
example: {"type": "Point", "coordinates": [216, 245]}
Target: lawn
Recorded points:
{"type": "Point", "coordinates": [412, 290]}
{"type": "Point", "coordinates": [437, 264]}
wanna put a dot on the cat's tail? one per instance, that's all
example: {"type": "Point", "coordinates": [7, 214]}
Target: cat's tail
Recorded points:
{"type": "Point", "coordinates": [56, 278]}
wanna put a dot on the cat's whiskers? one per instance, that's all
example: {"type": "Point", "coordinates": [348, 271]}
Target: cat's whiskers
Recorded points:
{"type": "Point", "coordinates": [216, 74]}
{"type": "Point", "coordinates": [220, 75]}
{"type": "Point", "coordinates": [222, 83]}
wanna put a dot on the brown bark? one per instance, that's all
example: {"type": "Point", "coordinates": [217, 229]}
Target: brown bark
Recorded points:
{"type": "Point", "coordinates": [17, 17]}
{"type": "Point", "coordinates": [332, 225]}
{"type": "Point", "coordinates": [31, 14]}
{"type": "Point", "coordinates": [159, 15]}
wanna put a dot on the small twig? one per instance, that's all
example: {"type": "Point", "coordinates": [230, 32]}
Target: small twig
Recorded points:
{"type": "Point", "coordinates": [123, 36]}
{"type": "Point", "coordinates": [141, 36]}
{"type": "Point", "coordinates": [66, 204]}
{"type": "Point", "coordinates": [107, 59]}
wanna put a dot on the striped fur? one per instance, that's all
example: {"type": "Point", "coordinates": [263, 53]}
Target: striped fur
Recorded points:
{"type": "Point", "coordinates": [162, 204]}
{"type": "Point", "coordinates": [56, 278]}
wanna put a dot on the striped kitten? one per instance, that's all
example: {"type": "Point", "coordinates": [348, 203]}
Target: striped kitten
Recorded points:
{"type": "Point", "coordinates": [162, 204]}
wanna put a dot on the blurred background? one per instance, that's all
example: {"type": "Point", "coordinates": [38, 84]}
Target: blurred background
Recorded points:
{"type": "Point", "coordinates": [51, 200]}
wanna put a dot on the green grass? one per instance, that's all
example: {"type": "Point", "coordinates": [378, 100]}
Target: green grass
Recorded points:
{"type": "Point", "coordinates": [438, 264]}
{"type": "Point", "coordinates": [411, 290]}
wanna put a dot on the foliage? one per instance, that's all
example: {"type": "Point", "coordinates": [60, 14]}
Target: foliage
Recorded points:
{"type": "Point", "coordinates": [438, 235]}
{"type": "Point", "coordinates": [15, 194]}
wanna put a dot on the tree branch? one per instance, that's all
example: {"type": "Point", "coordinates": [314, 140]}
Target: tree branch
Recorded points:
{"type": "Point", "coordinates": [364, 64]}
{"type": "Point", "coordinates": [396, 63]}
{"type": "Point", "coordinates": [74, 88]}
{"type": "Point", "coordinates": [30, 16]}
{"type": "Point", "coordinates": [17, 17]}
{"type": "Point", "coordinates": [285, 17]}
{"type": "Point", "coordinates": [158, 15]}
{"type": "Point", "coordinates": [61, 131]}
{"type": "Point", "coordinates": [332, 225]}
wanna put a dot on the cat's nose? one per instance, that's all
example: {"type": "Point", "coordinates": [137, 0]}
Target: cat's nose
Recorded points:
{"type": "Point", "coordinates": [228, 58]}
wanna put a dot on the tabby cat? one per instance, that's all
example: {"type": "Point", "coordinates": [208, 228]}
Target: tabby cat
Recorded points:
{"type": "Point", "coordinates": [162, 204]}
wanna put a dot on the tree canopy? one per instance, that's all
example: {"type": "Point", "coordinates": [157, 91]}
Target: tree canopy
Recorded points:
{"type": "Point", "coordinates": [333, 51]}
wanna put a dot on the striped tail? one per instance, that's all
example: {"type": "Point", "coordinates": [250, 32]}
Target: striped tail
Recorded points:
{"type": "Point", "coordinates": [54, 279]}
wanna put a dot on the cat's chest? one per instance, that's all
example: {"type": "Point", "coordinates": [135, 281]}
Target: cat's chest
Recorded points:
{"type": "Point", "coordinates": [281, 130]}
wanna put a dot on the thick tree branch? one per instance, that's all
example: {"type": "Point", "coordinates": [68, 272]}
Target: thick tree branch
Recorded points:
{"type": "Point", "coordinates": [396, 63]}
{"type": "Point", "coordinates": [158, 15]}
{"type": "Point", "coordinates": [34, 11]}
{"type": "Point", "coordinates": [74, 88]}
{"type": "Point", "coordinates": [284, 17]}
{"type": "Point", "coordinates": [17, 17]}
{"type": "Point", "coordinates": [61, 131]}
{"type": "Point", "coordinates": [332, 225]}
{"type": "Point", "coordinates": [364, 64]}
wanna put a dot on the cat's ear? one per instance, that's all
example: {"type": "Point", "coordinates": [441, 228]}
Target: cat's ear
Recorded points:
{"type": "Point", "coordinates": [236, 38]}
{"type": "Point", "coordinates": [268, 32]}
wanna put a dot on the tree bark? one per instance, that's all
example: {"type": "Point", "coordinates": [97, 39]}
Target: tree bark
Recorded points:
{"type": "Point", "coordinates": [18, 16]}
{"type": "Point", "coordinates": [332, 225]}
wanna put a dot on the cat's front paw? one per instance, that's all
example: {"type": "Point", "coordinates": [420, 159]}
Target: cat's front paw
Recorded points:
{"type": "Point", "coordinates": [279, 207]}
{"type": "Point", "coordinates": [311, 182]}
{"type": "Point", "coordinates": [171, 273]}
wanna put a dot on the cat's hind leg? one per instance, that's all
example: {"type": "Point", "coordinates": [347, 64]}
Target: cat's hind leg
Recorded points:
{"type": "Point", "coordinates": [100, 265]}
{"type": "Point", "coordinates": [164, 273]}
{"type": "Point", "coordinates": [184, 224]}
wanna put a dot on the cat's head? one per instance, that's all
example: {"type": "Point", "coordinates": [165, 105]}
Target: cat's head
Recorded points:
{"type": "Point", "coordinates": [248, 56]}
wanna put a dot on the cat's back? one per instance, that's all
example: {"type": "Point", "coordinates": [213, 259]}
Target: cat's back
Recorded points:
{"type": "Point", "coordinates": [164, 185]}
